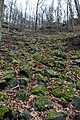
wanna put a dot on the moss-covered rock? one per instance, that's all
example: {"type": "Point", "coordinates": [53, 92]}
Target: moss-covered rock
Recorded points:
{"type": "Point", "coordinates": [15, 61]}
{"type": "Point", "coordinates": [2, 96]}
{"type": "Point", "coordinates": [25, 72]}
{"type": "Point", "coordinates": [49, 62]}
{"type": "Point", "coordinates": [42, 102]}
{"type": "Point", "coordinates": [37, 56]}
{"type": "Point", "coordinates": [24, 81]}
{"type": "Point", "coordinates": [22, 95]}
{"type": "Point", "coordinates": [50, 73]}
{"type": "Point", "coordinates": [37, 90]}
{"type": "Point", "coordinates": [3, 84]}
{"type": "Point", "coordinates": [13, 83]}
{"type": "Point", "coordinates": [26, 114]}
{"type": "Point", "coordinates": [3, 110]}
{"type": "Point", "coordinates": [39, 71]}
{"type": "Point", "coordinates": [78, 85]}
{"type": "Point", "coordinates": [76, 102]}
{"type": "Point", "coordinates": [8, 77]}
{"type": "Point", "coordinates": [76, 70]}
{"type": "Point", "coordinates": [68, 92]}
{"type": "Point", "coordinates": [56, 91]}
{"type": "Point", "coordinates": [53, 115]}
{"type": "Point", "coordinates": [40, 79]}
{"type": "Point", "coordinates": [60, 64]}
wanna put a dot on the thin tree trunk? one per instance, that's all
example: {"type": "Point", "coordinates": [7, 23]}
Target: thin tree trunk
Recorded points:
{"type": "Point", "coordinates": [1, 12]}
{"type": "Point", "coordinates": [77, 8]}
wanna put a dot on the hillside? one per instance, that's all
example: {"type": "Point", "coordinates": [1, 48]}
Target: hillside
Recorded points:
{"type": "Point", "coordinates": [40, 76]}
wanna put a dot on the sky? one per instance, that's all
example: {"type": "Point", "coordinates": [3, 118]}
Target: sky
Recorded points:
{"type": "Point", "coordinates": [32, 5]}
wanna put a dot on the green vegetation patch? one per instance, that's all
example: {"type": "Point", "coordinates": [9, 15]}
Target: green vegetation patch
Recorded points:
{"type": "Point", "coordinates": [53, 115]}
{"type": "Point", "coordinates": [76, 70]}
{"type": "Point", "coordinates": [22, 95]}
{"type": "Point", "coordinates": [2, 96]}
{"type": "Point", "coordinates": [42, 102]}
{"type": "Point", "coordinates": [56, 91]}
{"type": "Point", "coordinates": [3, 110]}
{"type": "Point", "coordinates": [37, 90]}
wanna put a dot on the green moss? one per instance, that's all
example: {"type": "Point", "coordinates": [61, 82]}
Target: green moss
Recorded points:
{"type": "Point", "coordinates": [22, 95]}
{"type": "Point", "coordinates": [53, 115]}
{"type": "Point", "coordinates": [3, 110]}
{"type": "Point", "coordinates": [2, 96]}
{"type": "Point", "coordinates": [68, 92]}
{"type": "Point", "coordinates": [60, 64]}
{"type": "Point", "coordinates": [8, 76]}
{"type": "Point", "coordinates": [25, 79]}
{"type": "Point", "coordinates": [76, 70]}
{"type": "Point", "coordinates": [15, 61]}
{"type": "Point", "coordinates": [48, 61]}
{"type": "Point", "coordinates": [74, 57]}
{"type": "Point", "coordinates": [39, 90]}
{"type": "Point", "coordinates": [56, 91]}
{"type": "Point", "coordinates": [40, 77]}
{"type": "Point", "coordinates": [37, 56]}
{"type": "Point", "coordinates": [49, 73]}
{"type": "Point", "coordinates": [39, 71]}
{"type": "Point", "coordinates": [42, 102]}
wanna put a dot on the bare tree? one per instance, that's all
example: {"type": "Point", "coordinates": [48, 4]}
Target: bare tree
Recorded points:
{"type": "Point", "coordinates": [1, 12]}
{"type": "Point", "coordinates": [77, 8]}
{"type": "Point", "coordinates": [38, 3]}
{"type": "Point", "coordinates": [71, 14]}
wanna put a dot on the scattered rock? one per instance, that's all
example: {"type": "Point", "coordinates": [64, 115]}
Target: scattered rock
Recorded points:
{"type": "Point", "coordinates": [3, 84]}
{"type": "Point", "coordinates": [76, 102]}
{"type": "Point", "coordinates": [26, 114]}
{"type": "Point", "coordinates": [8, 77]}
{"type": "Point", "coordinates": [25, 72]}
{"type": "Point", "coordinates": [56, 91]}
{"type": "Point", "coordinates": [78, 62]}
{"type": "Point", "coordinates": [13, 83]}
{"type": "Point", "coordinates": [2, 96]}
{"type": "Point", "coordinates": [3, 111]}
{"type": "Point", "coordinates": [37, 90]}
{"type": "Point", "coordinates": [22, 95]}
{"type": "Point", "coordinates": [42, 102]}
{"type": "Point", "coordinates": [53, 115]}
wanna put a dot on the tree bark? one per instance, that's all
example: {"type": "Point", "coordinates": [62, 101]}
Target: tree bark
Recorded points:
{"type": "Point", "coordinates": [77, 8]}
{"type": "Point", "coordinates": [1, 12]}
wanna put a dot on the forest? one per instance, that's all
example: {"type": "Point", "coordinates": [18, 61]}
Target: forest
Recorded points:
{"type": "Point", "coordinates": [40, 60]}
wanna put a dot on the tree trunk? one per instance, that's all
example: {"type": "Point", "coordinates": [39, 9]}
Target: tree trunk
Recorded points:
{"type": "Point", "coordinates": [36, 18]}
{"type": "Point", "coordinates": [77, 8]}
{"type": "Point", "coordinates": [1, 12]}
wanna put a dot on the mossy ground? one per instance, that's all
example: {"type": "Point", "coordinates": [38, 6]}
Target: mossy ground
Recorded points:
{"type": "Point", "coordinates": [49, 67]}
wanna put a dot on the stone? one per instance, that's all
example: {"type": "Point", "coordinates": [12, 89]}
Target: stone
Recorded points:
{"type": "Point", "coordinates": [39, 90]}
{"type": "Point", "coordinates": [13, 83]}
{"type": "Point", "coordinates": [76, 102]}
{"type": "Point", "coordinates": [23, 81]}
{"type": "Point", "coordinates": [26, 114]}
{"type": "Point", "coordinates": [8, 77]}
{"type": "Point", "coordinates": [42, 102]}
{"type": "Point", "coordinates": [25, 72]}
{"type": "Point", "coordinates": [22, 95]}
{"type": "Point", "coordinates": [2, 96]}
{"type": "Point", "coordinates": [78, 85]}
{"type": "Point", "coordinates": [40, 79]}
{"type": "Point", "coordinates": [56, 91]}
{"type": "Point", "coordinates": [53, 115]}
{"type": "Point", "coordinates": [78, 62]}
{"type": "Point", "coordinates": [49, 73]}
{"type": "Point", "coordinates": [3, 84]}
{"type": "Point", "coordinates": [3, 110]}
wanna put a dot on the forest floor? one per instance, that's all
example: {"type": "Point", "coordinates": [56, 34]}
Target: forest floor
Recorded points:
{"type": "Point", "coordinates": [40, 77]}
